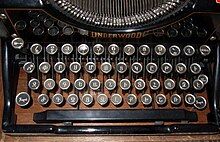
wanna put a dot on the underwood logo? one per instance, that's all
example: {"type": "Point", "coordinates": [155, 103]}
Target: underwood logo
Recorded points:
{"type": "Point", "coordinates": [119, 35]}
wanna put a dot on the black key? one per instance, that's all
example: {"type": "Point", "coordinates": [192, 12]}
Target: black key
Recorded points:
{"type": "Point", "coordinates": [75, 67]}
{"type": "Point", "coordinates": [90, 67]}
{"type": "Point", "coordinates": [195, 68]}
{"type": "Point", "coordinates": [102, 99]}
{"type": "Point", "coordinates": [166, 68]}
{"type": "Point", "coordinates": [161, 99]}
{"type": "Point", "coordinates": [34, 84]}
{"type": "Point", "coordinates": [83, 49]}
{"type": "Point", "coordinates": [49, 84]}
{"type": "Point", "coordinates": [57, 99]}
{"type": "Point", "coordinates": [152, 68]}
{"type": "Point", "coordinates": [59, 67]}
{"type": "Point", "coordinates": [136, 68]}
{"type": "Point", "coordinates": [205, 50]}
{"type": "Point", "coordinates": [176, 99]}
{"type": "Point", "coordinates": [174, 50]}
{"type": "Point", "coordinates": [43, 99]}
{"type": "Point", "coordinates": [190, 99]}
{"type": "Point", "coordinates": [129, 49]}
{"type": "Point", "coordinates": [139, 84]}
{"type": "Point", "coordinates": [146, 99]}
{"type": "Point", "coordinates": [52, 49]}
{"type": "Point", "coordinates": [44, 67]}
{"type": "Point", "coordinates": [29, 67]}
{"type": "Point", "coordinates": [204, 78]}
{"type": "Point", "coordinates": [94, 84]}
{"type": "Point", "coordinates": [169, 84]}
{"type": "Point", "coordinates": [121, 67]}
{"type": "Point", "coordinates": [154, 84]}
{"type": "Point", "coordinates": [160, 50]}
{"type": "Point", "coordinates": [181, 68]}
{"type": "Point", "coordinates": [200, 103]}
{"type": "Point", "coordinates": [144, 50]}
{"type": "Point", "coordinates": [80, 84]}
{"type": "Point", "coordinates": [64, 84]}
{"type": "Point", "coordinates": [116, 99]}
{"type": "Point", "coordinates": [131, 99]}
{"type": "Point", "coordinates": [36, 48]}
{"type": "Point", "coordinates": [113, 49]}
{"type": "Point", "coordinates": [110, 84]}
{"type": "Point", "coordinates": [73, 99]}
{"type": "Point", "coordinates": [67, 49]}
{"type": "Point", "coordinates": [125, 84]}
{"type": "Point", "coordinates": [98, 49]}
{"type": "Point", "coordinates": [106, 67]}
{"type": "Point", "coordinates": [53, 31]}
{"type": "Point", "coordinates": [189, 50]}
{"type": "Point", "coordinates": [87, 99]}
{"type": "Point", "coordinates": [184, 84]}
{"type": "Point", "coordinates": [198, 84]}
{"type": "Point", "coordinates": [22, 99]}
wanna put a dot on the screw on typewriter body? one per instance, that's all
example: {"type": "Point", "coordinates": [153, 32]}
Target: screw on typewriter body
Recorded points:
{"type": "Point", "coordinates": [36, 48]}
{"type": "Point", "coordinates": [67, 49]}
{"type": "Point", "coordinates": [72, 99]}
{"type": "Point", "coordinates": [44, 67]}
{"type": "Point", "coordinates": [121, 67]}
{"type": "Point", "coordinates": [106, 67]}
{"type": "Point", "coordinates": [190, 99]}
{"type": "Point", "coordinates": [189, 50]}
{"type": "Point", "coordinates": [116, 99]}
{"type": "Point", "coordinates": [169, 84]}
{"type": "Point", "coordinates": [57, 99]}
{"type": "Point", "coordinates": [83, 49]}
{"type": "Point", "coordinates": [146, 99]}
{"type": "Point", "coordinates": [125, 84]}
{"type": "Point", "coordinates": [181, 68]}
{"type": "Point", "coordinates": [3, 16]}
{"type": "Point", "coordinates": [205, 50]}
{"type": "Point", "coordinates": [195, 68]}
{"type": "Point", "coordinates": [136, 67]}
{"type": "Point", "coordinates": [154, 84]}
{"type": "Point", "coordinates": [184, 84]}
{"type": "Point", "coordinates": [174, 50]}
{"type": "Point", "coordinates": [75, 67]}
{"type": "Point", "coordinates": [113, 49]}
{"type": "Point", "coordinates": [175, 99]}
{"type": "Point", "coordinates": [79, 84]}
{"type": "Point", "coordinates": [204, 78]}
{"type": "Point", "coordinates": [43, 99]}
{"type": "Point", "coordinates": [160, 50]}
{"type": "Point", "coordinates": [64, 84]}
{"type": "Point", "coordinates": [144, 50]}
{"type": "Point", "coordinates": [49, 84]}
{"type": "Point", "coordinates": [166, 68]}
{"type": "Point", "coordinates": [110, 84]}
{"type": "Point", "coordinates": [98, 49]}
{"type": "Point", "coordinates": [94, 84]}
{"type": "Point", "coordinates": [139, 84]}
{"type": "Point", "coordinates": [90, 67]}
{"type": "Point", "coordinates": [132, 99]}
{"type": "Point", "coordinates": [161, 99]}
{"type": "Point", "coordinates": [29, 67]}
{"type": "Point", "coordinates": [52, 49]}
{"type": "Point", "coordinates": [152, 68]}
{"type": "Point", "coordinates": [102, 99]}
{"type": "Point", "coordinates": [129, 49]}
{"type": "Point", "coordinates": [22, 99]}
{"type": "Point", "coordinates": [59, 67]}
{"type": "Point", "coordinates": [17, 43]}
{"type": "Point", "coordinates": [198, 84]}
{"type": "Point", "coordinates": [87, 99]}
{"type": "Point", "coordinates": [200, 102]}
{"type": "Point", "coordinates": [34, 84]}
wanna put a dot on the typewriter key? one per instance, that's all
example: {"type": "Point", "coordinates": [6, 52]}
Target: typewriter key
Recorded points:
{"type": "Point", "coordinates": [116, 99]}
{"type": "Point", "coordinates": [83, 49]}
{"type": "Point", "coordinates": [204, 78]}
{"type": "Point", "coordinates": [195, 68]}
{"type": "Point", "coordinates": [176, 99]}
{"type": "Point", "coordinates": [34, 84]}
{"type": "Point", "coordinates": [72, 99]}
{"type": "Point", "coordinates": [205, 50]}
{"type": "Point", "coordinates": [44, 67]}
{"type": "Point", "coordinates": [113, 49]}
{"type": "Point", "coordinates": [174, 50]}
{"type": "Point", "coordinates": [166, 68]}
{"type": "Point", "coordinates": [22, 99]}
{"type": "Point", "coordinates": [43, 99]}
{"type": "Point", "coordinates": [106, 67]}
{"type": "Point", "coordinates": [184, 84]}
{"type": "Point", "coordinates": [136, 68]}
{"type": "Point", "coordinates": [152, 68]}
{"type": "Point", "coordinates": [36, 49]}
{"type": "Point", "coordinates": [90, 67]}
{"type": "Point", "coordinates": [181, 68]}
{"type": "Point", "coordinates": [146, 99]}
{"type": "Point", "coordinates": [59, 67]}
{"type": "Point", "coordinates": [125, 84]}
{"type": "Point", "coordinates": [190, 99]}
{"type": "Point", "coordinates": [94, 84]}
{"type": "Point", "coordinates": [53, 30]}
{"type": "Point", "coordinates": [200, 102]}
{"type": "Point", "coordinates": [17, 43]}
{"type": "Point", "coordinates": [110, 84]}
{"type": "Point", "coordinates": [38, 31]}
{"type": "Point", "coordinates": [75, 67]}
{"type": "Point", "coordinates": [20, 25]}
{"type": "Point", "coordinates": [160, 50]}
{"type": "Point", "coordinates": [64, 84]}
{"type": "Point", "coordinates": [129, 49]}
{"type": "Point", "coordinates": [189, 50]}
{"type": "Point", "coordinates": [98, 49]}
{"type": "Point", "coordinates": [121, 67]}
{"type": "Point", "coordinates": [161, 99]}
{"type": "Point", "coordinates": [154, 84]}
{"type": "Point", "coordinates": [87, 99]}
{"type": "Point", "coordinates": [68, 30]}
{"type": "Point", "coordinates": [80, 84]}
{"type": "Point", "coordinates": [34, 23]}
{"type": "Point", "coordinates": [139, 84]}
{"type": "Point", "coordinates": [29, 67]}
{"type": "Point", "coordinates": [67, 49]}
{"type": "Point", "coordinates": [169, 84]}
{"type": "Point", "coordinates": [49, 84]}
{"type": "Point", "coordinates": [198, 84]}
{"type": "Point", "coordinates": [48, 22]}
{"type": "Point", "coordinates": [144, 50]}
{"type": "Point", "coordinates": [57, 99]}
{"type": "Point", "coordinates": [102, 99]}
{"type": "Point", "coordinates": [131, 99]}
{"type": "Point", "coordinates": [51, 49]}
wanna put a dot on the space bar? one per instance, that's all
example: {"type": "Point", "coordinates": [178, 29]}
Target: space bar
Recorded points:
{"type": "Point", "coordinates": [167, 115]}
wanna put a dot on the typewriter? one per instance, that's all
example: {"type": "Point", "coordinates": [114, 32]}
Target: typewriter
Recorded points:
{"type": "Point", "coordinates": [110, 66]}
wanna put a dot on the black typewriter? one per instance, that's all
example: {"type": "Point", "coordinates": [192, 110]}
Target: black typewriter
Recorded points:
{"type": "Point", "coordinates": [110, 66]}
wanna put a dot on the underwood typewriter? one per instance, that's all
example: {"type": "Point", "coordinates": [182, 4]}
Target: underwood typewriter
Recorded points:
{"type": "Point", "coordinates": [110, 66]}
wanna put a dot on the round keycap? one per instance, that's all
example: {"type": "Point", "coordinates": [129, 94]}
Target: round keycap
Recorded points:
{"type": "Point", "coordinates": [48, 22]}
{"type": "Point", "coordinates": [184, 84]}
{"type": "Point", "coordinates": [80, 84]}
{"type": "Point", "coordinates": [113, 49]}
{"type": "Point", "coordinates": [131, 99]}
{"type": "Point", "coordinates": [190, 99]}
{"type": "Point", "coordinates": [106, 67]}
{"type": "Point", "coordinates": [17, 43]}
{"type": "Point", "coordinates": [154, 84]}
{"type": "Point", "coordinates": [116, 99]}
{"type": "Point", "coordinates": [75, 67]}
{"type": "Point", "coordinates": [144, 50]}
{"type": "Point", "coordinates": [67, 49]}
{"type": "Point", "coordinates": [204, 78]}
{"type": "Point", "coordinates": [20, 25]}
{"type": "Point", "coordinates": [38, 31]}
{"type": "Point", "coordinates": [34, 84]}
{"type": "Point", "coordinates": [43, 99]}
{"type": "Point", "coordinates": [98, 49]}
{"type": "Point", "coordinates": [94, 84]}
{"type": "Point", "coordinates": [152, 68]}
{"type": "Point", "coordinates": [139, 84]}
{"type": "Point", "coordinates": [195, 68]}
{"type": "Point", "coordinates": [174, 50]}
{"type": "Point", "coordinates": [110, 84]}
{"type": "Point", "coordinates": [34, 23]}
{"type": "Point", "coordinates": [72, 99]}
{"type": "Point", "coordinates": [200, 103]}
{"type": "Point", "coordinates": [146, 99]}
{"type": "Point", "coordinates": [198, 84]}
{"type": "Point", "coordinates": [166, 68]}
{"type": "Point", "coordinates": [22, 99]}
{"type": "Point", "coordinates": [121, 67]}
{"type": "Point", "coordinates": [53, 31]}
{"type": "Point", "coordinates": [87, 99]}
{"type": "Point", "coordinates": [49, 84]}
{"type": "Point", "coordinates": [64, 84]}
{"type": "Point", "coordinates": [68, 30]}
{"type": "Point", "coordinates": [90, 67]}
{"type": "Point", "coordinates": [161, 99]}
{"type": "Point", "coordinates": [44, 67]}
{"type": "Point", "coordinates": [136, 68]}
{"type": "Point", "coordinates": [189, 50]}
{"type": "Point", "coordinates": [125, 84]}
{"type": "Point", "coordinates": [160, 50]}
{"type": "Point", "coordinates": [102, 99]}
{"type": "Point", "coordinates": [181, 68]}
{"type": "Point", "coordinates": [169, 84]}
{"type": "Point", "coordinates": [129, 49]}
{"type": "Point", "coordinates": [57, 99]}
{"type": "Point", "coordinates": [59, 67]}
{"type": "Point", "coordinates": [36, 49]}
{"type": "Point", "coordinates": [29, 67]}
{"type": "Point", "coordinates": [175, 99]}
{"type": "Point", "coordinates": [205, 50]}
{"type": "Point", "coordinates": [51, 49]}
{"type": "Point", "coordinates": [83, 49]}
